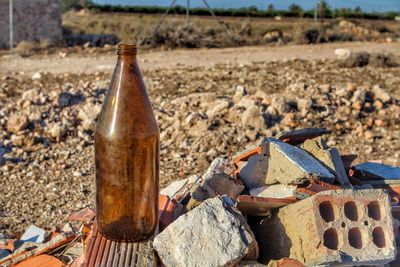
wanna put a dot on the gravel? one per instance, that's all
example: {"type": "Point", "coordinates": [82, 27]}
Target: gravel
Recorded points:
{"type": "Point", "coordinates": [47, 165]}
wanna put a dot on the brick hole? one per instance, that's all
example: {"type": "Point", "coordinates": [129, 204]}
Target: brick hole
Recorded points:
{"type": "Point", "coordinates": [374, 210]}
{"type": "Point", "coordinates": [331, 239]}
{"type": "Point", "coordinates": [351, 211]}
{"type": "Point", "coordinates": [326, 211]}
{"type": "Point", "coordinates": [355, 238]}
{"type": "Point", "coordinates": [378, 237]}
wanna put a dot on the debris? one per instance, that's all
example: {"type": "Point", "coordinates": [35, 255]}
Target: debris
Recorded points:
{"type": "Point", "coordinates": [33, 234]}
{"type": "Point", "coordinates": [88, 115]}
{"type": "Point", "coordinates": [342, 53]}
{"type": "Point", "coordinates": [283, 163]}
{"type": "Point", "coordinates": [103, 252]}
{"type": "Point", "coordinates": [320, 229]}
{"type": "Point", "coordinates": [261, 206]}
{"type": "Point", "coordinates": [372, 170]}
{"type": "Point", "coordinates": [40, 248]}
{"type": "Point", "coordinates": [313, 187]}
{"type": "Point", "coordinates": [274, 191]}
{"type": "Point", "coordinates": [36, 76]}
{"type": "Point", "coordinates": [217, 184]}
{"type": "Point", "coordinates": [17, 123]}
{"type": "Point", "coordinates": [299, 136]}
{"type": "Point", "coordinates": [85, 215]}
{"type": "Point", "coordinates": [381, 94]}
{"type": "Point", "coordinates": [40, 261]}
{"type": "Point", "coordinates": [329, 157]}
{"type": "Point", "coordinates": [215, 228]}
{"type": "Point", "coordinates": [173, 188]}
{"type": "Point", "coordinates": [169, 210]}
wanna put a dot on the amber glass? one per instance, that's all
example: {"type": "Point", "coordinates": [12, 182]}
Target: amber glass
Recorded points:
{"type": "Point", "coordinates": [127, 156]}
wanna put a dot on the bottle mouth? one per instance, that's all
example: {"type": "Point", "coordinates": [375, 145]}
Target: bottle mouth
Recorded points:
{"type": "Point", "coordinates": [126, 49]}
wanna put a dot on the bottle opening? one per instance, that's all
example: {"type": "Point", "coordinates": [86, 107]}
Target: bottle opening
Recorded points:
{"type": "Point", "coordinates": [126, 49]}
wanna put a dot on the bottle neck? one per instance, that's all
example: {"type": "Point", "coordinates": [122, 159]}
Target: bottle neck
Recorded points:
{"type": "Point", "coordinates": [126, 52]}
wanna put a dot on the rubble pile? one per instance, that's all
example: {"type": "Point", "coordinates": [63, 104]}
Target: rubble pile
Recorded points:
{"type": "Point", "coordinates": [47, 122]}
{"type": "Point", "coordinates": [287, 201]}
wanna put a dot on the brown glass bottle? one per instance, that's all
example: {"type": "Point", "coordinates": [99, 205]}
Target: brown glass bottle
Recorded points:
{"type": "Point", "coordinates": [127, 156]}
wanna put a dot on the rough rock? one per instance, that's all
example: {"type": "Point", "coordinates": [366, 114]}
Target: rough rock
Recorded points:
{"type": "Point", "coordinates": [282, 163]}
{"type": "Point", "coordinates": [217, 184]}
{"type": "Point", "coordinates": [213, 234]}
{"type": "Point", "coordinates": [88, 115]}
{"type": "Point", "coordinates": [17, 123]}
{"type": "Point", "coordinates": [252, 117]}
{"type": "Point", "coordinates": [381, 94]}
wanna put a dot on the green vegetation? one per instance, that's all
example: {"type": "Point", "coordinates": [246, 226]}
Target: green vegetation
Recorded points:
{"type": "Point", "coordinates": [294, 10]}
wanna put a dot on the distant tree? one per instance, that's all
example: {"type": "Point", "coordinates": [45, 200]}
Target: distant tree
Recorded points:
{"type": "Point", "coordinates": [296, 9]}
{"type": "Point", "coordinates": [75, 4]}
{"type": "Point", "coordinates": [357, 9]}
{"type": "Point", "coordinates": [323, 9]}
{"type": "Point", "coordinates": [270, 8]}
{"type": "Point", "coordinates": [253, 8]}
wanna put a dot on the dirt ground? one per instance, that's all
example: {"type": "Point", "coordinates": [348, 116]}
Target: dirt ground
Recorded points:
{"type": "Point", "coordinates": [90, 62]}
{"type": "Point", "coordinates": [208, 103]}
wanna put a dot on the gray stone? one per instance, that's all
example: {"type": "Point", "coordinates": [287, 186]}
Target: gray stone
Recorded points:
{"type": "Point", "coordinates": [381, 94]}
{"type": "Point", "coordinates": [282, 163]}
{"type": "Point", "coordinates": [218, 165]}
{"type": "Point", "coordinates": [253, 118]}
{"type": "Point", "coordinates": [217, 184]}
{"type": "Point", "coordinates": [33, 234]}
{"type": "Point", "coordinates": [174, 187]}
{"type": "Point", "coordinates": [17, 123]}
{"type": "Point", "coordinates": [88, 115]}
{"type": "Point", "coordinates": [213, 234]}
{"type": "Point", "coordinates": [372, 170]}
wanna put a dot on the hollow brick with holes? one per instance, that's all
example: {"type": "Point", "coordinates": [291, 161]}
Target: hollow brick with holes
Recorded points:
{"type": "Point", "coordinates": [333, 228]}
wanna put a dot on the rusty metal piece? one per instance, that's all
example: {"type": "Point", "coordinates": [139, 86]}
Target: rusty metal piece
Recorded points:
{"type": "Point", "coordinates": [299, 136]}
{"type": "Point", "coordinates": [127, 156]}
{"type": "Point", "coordinates": [107, 253]}
{"type": "Point", "coordinates": [261, 206]}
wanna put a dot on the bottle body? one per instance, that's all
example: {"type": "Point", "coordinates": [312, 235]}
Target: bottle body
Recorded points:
{"type": "Point", "coordinates": [127, 158]}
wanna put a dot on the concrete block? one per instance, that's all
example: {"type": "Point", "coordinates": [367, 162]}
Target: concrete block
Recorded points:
{"type": "Point", "coordinates": [331, 228]}
{"type": "Point", "coordinates": [274, 191]}
{"type": "Point", "coordinates": [217, 184]}
{"type": "Point", "coordinates": [282, 163]}
{"type": "Point", "coordinates": [329, 157]}
{"type": "Point", "coordinates": [213, 234]}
